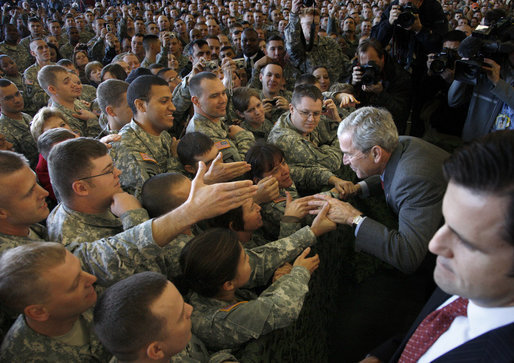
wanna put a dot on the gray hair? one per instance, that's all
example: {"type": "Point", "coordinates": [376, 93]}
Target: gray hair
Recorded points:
{"type": "Point", "coordinates": [371, 126]}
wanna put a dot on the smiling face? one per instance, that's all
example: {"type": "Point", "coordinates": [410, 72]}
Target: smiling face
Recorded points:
{"type": "Point", "coordinates": [306, 115]}
{"type": "Point", "coordinates": [321, 75]}
{"type": "Point", "coordinates": [272, 79]}
{"type": "Point", "coordinates": [473, 258]}
{"type": "Point", "coordinates": [280, 171]}
{"type": "Point", "coordinates": [213, 101]}
{"type": "Point", "coordinates": [159, 109]}
{"type": "Point", "coordinates": [360, 162]}
{"type": "Point", "coordinates": [254, 114]}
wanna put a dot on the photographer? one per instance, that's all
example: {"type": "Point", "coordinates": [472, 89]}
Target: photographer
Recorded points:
{"type": "Point", "coordinates": [491, 92]}
{"type": "Point", "coordinates": [416, 29]}
{"type": "Point", "coordinates": [433, 108]}
{"type": "Point", "coordinates": [381, 82]}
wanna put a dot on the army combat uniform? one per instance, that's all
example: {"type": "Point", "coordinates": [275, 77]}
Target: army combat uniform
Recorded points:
{"type": "Point", "coordinates": [221, 325]}
{"type": "Point", "coordinates": [140, 156]}
{"type": "Point", "coordinates": [232, 150]}
{"type": "Point", "coordinates": [38, 97]}
{"type": "Point", "coordinates": [18, 133]}
{"type": "Point", "coordinates": [326, 52]}
{"type": "Point", "coordinates": [88, 128]}
{"type": "Point", "coordinates": [260, 132]}
{"type": "Point", "coordinates": [110, 260]}
{"type": "Point", "coordinates": [18, 54]}
{"type": "Point", "coordinates": [66, 225]}
{"type": "Point", "coordinates": [312, 159]}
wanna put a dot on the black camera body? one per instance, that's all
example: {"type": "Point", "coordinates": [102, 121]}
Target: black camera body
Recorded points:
{"type": "Point", "coordinates": [370, 73]}
{"type": "Point", "coordinates": [444, 60]}
{"type": "Point", "coordinates": [308, 3]}
{"type": "Point", "coordinates": [407, 17]}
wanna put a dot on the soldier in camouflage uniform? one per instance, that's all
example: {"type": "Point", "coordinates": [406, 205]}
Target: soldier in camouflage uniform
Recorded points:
{"type": "Point", "coordinates": [68, 48]}
{"type": "Point", "coordinates": [325, 51]}
{"type": "Point", "coordinates": [87, 217]}
{"type": "Point", "coordinates": [310, 149]}
{"type": "Point", "coordinates": [210, 102]}
{"type": "Point", "coordinates": [13, 49]}
{"type": "Point", "coordinates": [14, 124]}
{"type": "Point", "coordinates": [249, 108]}
{"type": "Point", "coordinates": [146, 149]}
{"type": "Point", "coordinates": [36, 32]}
{"type": "Point", "coordinates": [275, 98]}
{"type": "Point", "coordinates": [60, 84]}
{"type": "Point", "coordinates": [139, 301]}
{"type": "Point", "coordinates": [96, 45]}
{"type": "Point", "coordinates": [33, 90]}
{"type": "Point", "coordinates": [239, 316]}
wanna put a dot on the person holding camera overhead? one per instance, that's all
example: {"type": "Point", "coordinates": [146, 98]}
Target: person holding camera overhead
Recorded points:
{"type": "Point", "coordinates": [416, 29]}
{"type": "Point", "coordinates": [488, 84]}
{"type": "Point", "coordinates": [381, 82]}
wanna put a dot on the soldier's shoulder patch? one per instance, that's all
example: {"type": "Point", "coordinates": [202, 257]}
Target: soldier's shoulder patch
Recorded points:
{"type": "Point", "coordinates": [147, 157]}
{"type": "Point", "coordinates": [222, 144]}
{"type": "Point", "coordinates": [232, 307]}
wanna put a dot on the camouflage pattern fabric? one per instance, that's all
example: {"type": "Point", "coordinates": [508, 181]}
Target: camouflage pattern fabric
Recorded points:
{"type": "Point", "coordinates": [18, 133]}
{"type": "Point", "coordinates": [88, 128]}
{"type": "Point", "coordinates": [38, 97]}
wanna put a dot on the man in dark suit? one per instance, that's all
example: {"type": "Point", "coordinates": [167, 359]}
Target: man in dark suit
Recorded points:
{"type": "Point", "coordinates": [475, 263]}
{"type": "Point", "coordinates": [251, 50]}
{"type": "Point", "coordinates": [408, 170]}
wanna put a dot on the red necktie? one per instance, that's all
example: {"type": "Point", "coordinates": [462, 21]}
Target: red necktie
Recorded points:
{"type": "Point", "coordinates": [431, 328]}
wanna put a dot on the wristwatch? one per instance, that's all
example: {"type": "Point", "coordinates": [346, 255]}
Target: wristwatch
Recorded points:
{"type": "Point", "coordinates": [356, 220]}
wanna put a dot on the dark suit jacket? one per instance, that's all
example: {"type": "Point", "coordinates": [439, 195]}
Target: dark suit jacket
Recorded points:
{"type": "Point", "coordinates": [248, 68]}
{"type": "Point", "coordinates": [414, 187]}
{"type": "Point", "coordinates": [494, 346]}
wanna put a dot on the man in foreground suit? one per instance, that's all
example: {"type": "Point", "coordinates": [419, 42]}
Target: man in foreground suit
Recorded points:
{"type": "Point", "coordinates": [475, 260]}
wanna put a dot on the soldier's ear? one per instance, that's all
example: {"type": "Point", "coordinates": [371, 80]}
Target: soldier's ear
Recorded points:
{"type": "Point", "coordinates": [80, 188]}
{"type": "Point", "coordinates": [3, 213]}
{"type": "Point", "coordinates": [36, 312]}
{"type": "Point", "coordinates": [154, 351]}
{"type": "Point", "coordinates": [291, 107]}
{"type": "Point", "coordinates": [110, 111]}
{"type": "Point", "coordinates": [228, 286]}
{"type": "Point", "coordinates": [51, 89]}
{"type": "Point", "coordinates": [140, 105]}
{"type": "Point", "coordinates": [195, 100]}
{"type": "Point", "coordinates": [377, 152]}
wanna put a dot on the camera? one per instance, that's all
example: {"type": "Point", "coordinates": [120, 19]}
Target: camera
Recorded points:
{"type": "Point", "coordinates": [240, 62]}
{"type": "Point", "coordinates": [308, 3]}
{"type": "Point", "coordinates": [444, 60]}
{"type": "Point", "coordinates": [370, 73]}
{"type": "Point", "coordinates": [272, 102]}
{"type": "Point", "coordinates": [406, 17]}
{"type": "Point", "coordinates": [210, 65]}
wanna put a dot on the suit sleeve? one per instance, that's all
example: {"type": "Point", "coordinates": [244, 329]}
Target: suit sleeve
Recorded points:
{"type": "Point", "coordinates": [419, 217]}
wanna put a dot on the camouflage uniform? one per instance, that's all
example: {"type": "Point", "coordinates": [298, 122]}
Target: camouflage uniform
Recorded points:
{"type": "Point", "coordinates": [326, 52]}
{"type": "Point", "coordinates": [89, 128]}
{"type": "Point", "coordinates": [66, 225]}
{"type": "Point", "coordinates": [18, 133]}
{"type": "Point", "coordinates": [233, 150]}
{"type": "Point", "coordinates": [260, 132]}
{"type": "Point", "coordinates": [171, 254]}
{"type": "Point", "coordinates": [88, 93]}
{"type": "Point", "coordinates": [110, 260]}
{"type": "Point", "coordinates": [289, 72]}
{"type": "Point", "coordinates": [18, 81]}
{"type": "Point", "coordinates": [24, 51]}
{"type": "Point", "coordinates": [221, 325]}
{"type": "Point", "coordinates": [37, 233]}
{"type": "Point", "coordinates": [86, 36]}
{"type": "Point", "coordinates": [18, 54]}
{"type": "Point", "coordinates": [22, 344]}
{"type": "Point", "coordinates": [313, 159]}
{"type": "Point", "coordinates": [67, 50]}
{"type": "Point", "coordinates": [161, 59]}
{"type": "Point", "coordinates": [277, 112]}
{"type": "Point", "coordinates": [38, 97]}
{"type": "Point", "coordinates": [182, 101]}
{"type": "Point", "coordinates": [140, 156]}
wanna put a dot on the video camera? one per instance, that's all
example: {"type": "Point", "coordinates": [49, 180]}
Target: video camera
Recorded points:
{"type": "Point", "coordinates": [484, 42]}
{"type": "Point", "coordinates": [407, 17]}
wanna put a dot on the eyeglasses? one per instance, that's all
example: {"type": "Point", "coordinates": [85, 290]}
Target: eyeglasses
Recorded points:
{"type": "Point", "coordinates": [357, 155]}
{"type": "Point", "coordinates": [110, 171]}
{"type": "Point", "coordinates": [305, 114]}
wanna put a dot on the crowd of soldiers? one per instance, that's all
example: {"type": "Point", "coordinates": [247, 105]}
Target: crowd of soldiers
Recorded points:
{"type": "Point", "coordinates": [209, 144]}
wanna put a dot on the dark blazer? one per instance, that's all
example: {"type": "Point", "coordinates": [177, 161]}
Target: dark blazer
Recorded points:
{"type": "Point", "coordinates": [414, 187]}
{"type": "Point", "coordinates": [494, 346]}
{"type": "Point", "coordinates": [248, 68]}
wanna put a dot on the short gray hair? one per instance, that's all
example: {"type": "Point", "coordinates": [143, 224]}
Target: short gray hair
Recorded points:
{"type": "Point", "coordinates": [371, 126]}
